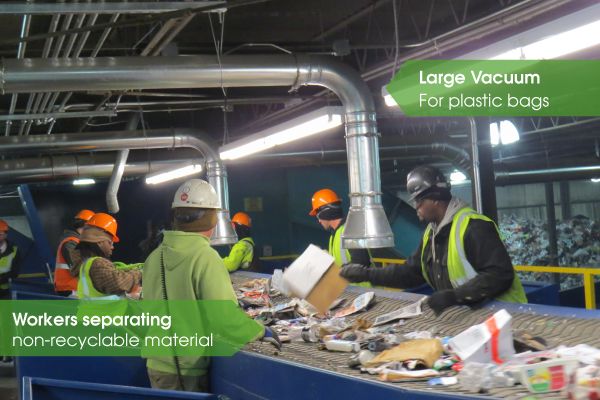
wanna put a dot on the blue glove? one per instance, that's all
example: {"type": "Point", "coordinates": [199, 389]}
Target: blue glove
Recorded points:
{"type": "Point", "coordinates": [271, 336]}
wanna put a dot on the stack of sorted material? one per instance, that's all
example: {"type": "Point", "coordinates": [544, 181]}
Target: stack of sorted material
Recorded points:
{"type": "Point", "coordinates": [578, 243]}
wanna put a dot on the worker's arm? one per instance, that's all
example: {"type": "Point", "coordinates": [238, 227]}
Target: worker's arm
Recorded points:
{"type": "Point", "coordinates": [66, 251]}
{"type": "Point", "coordinates": [401, 276]}
{"type": "Point", "coordinates": [214, 283]}
{"type": "Point", "coordinates": [236, 256]}
{"type": "Point", "coordinates": [106, 279]}
{"type": "Point", "coordinates": [488, 256]}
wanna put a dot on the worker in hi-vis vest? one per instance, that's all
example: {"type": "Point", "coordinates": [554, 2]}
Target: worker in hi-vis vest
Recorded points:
{"type": "Point", "coordinates": [461, 254]}
{"type": "Point", "coordinates": [10, 262]}
{"type": "Point", "coordinates": [98, 277]}
{"type": "Point", "coordinates": [242, 254]}
{"type": "Point", "coordinates": [10, 265]}
{"type": "Point", "coordinates": [327, 207]}
{"type": "Point", "coordinates": [64, 283]}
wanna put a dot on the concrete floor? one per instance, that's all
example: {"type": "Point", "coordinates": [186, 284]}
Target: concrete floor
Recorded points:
{"type": "Point", "coordinates": [8, 381]}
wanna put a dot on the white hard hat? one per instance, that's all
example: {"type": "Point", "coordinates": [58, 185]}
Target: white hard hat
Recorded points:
{"type": "Point", "coordinates": [196, 193]}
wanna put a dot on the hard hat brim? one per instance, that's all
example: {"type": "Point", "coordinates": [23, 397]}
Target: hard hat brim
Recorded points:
{"type": "Point", "coordinates": [115, 238]}
{"type": "Point", "coordinates": [313, 212]}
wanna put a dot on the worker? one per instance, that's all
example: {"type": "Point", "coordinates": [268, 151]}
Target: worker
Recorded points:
{"type": "Point", "coordinates": [242, 254]}
{"type": "Point", "coordinates": [64, 283]}
{"type": "Point", "coordinates": [461, 254]}
{"type": "Point", "coordinates": [10, 265]}
{"type": "Point", "coordinates": [98, 278]}
{"type": "Point", "coordinates": [327, 206]}
{"type": "Point", "coordinates": [10, 260]}
{"type": "Point", "coordinates": [190, 269]}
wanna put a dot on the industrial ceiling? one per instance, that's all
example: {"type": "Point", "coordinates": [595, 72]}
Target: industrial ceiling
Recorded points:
{"type": "Point", "coordinates": [360, 33]}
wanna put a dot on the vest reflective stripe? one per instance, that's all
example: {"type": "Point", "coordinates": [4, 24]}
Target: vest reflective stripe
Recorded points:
{"type": "Point", "coordinates": [6, 262]}
{"type": "Point", "coordinates": [460, 250]}
{"type": "Point", "coordinates": [460, 270]}
{"type": "Point", "coordinates": [342, 256]}
{"type": "Point", "coordinates": [85, 289]}
{"type": "Point", "coordinates": [247, 260]}
{"type": "Point", "coordinates": [61, 263]}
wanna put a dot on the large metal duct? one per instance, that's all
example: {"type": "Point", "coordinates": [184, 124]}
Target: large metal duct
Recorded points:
{"type": "Point", "coordinates": [72, 166]}
{"type": "Point", "coordinates": [151, 139]}
{"type": "Point", "coordinates": [366, 225]}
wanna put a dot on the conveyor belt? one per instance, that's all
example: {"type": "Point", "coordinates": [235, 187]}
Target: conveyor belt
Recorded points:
{"type": "Point", "coordinates": [556, 330]}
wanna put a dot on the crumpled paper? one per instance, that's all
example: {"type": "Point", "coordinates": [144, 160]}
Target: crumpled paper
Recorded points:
{"type": "Point", "coordinates": [426, 350]}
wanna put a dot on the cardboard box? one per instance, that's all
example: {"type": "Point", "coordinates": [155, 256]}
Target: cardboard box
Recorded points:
{"type": "Point", "coordinates": [314, 277]}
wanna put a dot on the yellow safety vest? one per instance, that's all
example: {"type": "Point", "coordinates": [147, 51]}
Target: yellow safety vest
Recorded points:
{"type": "Point", "coordinates": [342, 256]}
{"type": "Point", "coordinates": [6, 264]}
{"type": "Point", "coordinates": [460, 269]}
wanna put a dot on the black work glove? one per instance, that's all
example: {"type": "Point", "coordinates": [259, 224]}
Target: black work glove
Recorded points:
{"type": "Point", "coordinates": [441, 300]}
{"type": "Point", "coordinates": [355, 273]}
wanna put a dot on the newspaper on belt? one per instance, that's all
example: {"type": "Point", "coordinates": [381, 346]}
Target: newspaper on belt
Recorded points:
{"type": "Point", "coordinates": [409, 311]}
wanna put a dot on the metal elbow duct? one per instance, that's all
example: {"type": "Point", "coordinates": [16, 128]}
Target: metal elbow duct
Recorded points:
{"type": "Point", "coordinates": [115, 179]}
{"type": "Point", "coordinates": [216, 172]}
{"type": "Point", "coordinates": [152, 139]}
{"type": "Point", "coordinates": [366, 225]}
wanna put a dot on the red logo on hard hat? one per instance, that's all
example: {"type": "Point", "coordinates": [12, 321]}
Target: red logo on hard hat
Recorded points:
{"type": "Point", "coordinates": [184, 197]}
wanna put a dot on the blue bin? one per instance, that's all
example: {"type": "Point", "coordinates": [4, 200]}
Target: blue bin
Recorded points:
{"type": "Point", "coordinates": [25, 285]}
{"type": "Point", "coordinates": [52, 389]}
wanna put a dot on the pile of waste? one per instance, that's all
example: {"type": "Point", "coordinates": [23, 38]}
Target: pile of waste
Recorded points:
{"type": "Point", "coordinates": [484, 356]}
{"type": "Point", "coordinates": [578, 243]}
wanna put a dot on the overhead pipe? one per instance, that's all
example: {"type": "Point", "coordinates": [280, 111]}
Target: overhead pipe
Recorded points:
{"type": "Point", "coordinates": [366, 224]}
{"type": "Point", "coordinates": [151, 139]}
{"type": "Point", "coordinates": [117, 174]}
{"type": "Point", "coordinates": [525, 173]}
{"type": "Point", "coordinates": [72, 166]}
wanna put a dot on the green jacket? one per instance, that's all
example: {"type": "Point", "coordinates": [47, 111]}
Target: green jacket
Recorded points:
{"type": "Point", "coordinates": [240, 256]}
{"type": "Point", "coordinates": [193, 270]}
{"type": "Point", "coordinates": [343, 256]}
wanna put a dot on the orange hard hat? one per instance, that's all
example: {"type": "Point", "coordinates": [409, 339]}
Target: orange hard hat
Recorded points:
{"type": "Point", "coordinates": [242, 219]}
{"type": "Point", "coordinates": [3, 226]}
{"type": "Point", "coordinates": [85, 215]}
{"type": "Point", "coordinates": [106, 222]}
{"type": "Point", "coordinates": [321, 198]}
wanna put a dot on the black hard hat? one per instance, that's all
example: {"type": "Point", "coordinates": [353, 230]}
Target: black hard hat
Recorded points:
{"type": "Point", "coordinates": [425, 177]}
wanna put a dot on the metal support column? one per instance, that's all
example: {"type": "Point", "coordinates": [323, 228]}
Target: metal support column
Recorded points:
{"type": "Point", "coordinates": [486, 169]}
{"type": "Point", "coordinates": [39, 237]}
{"type": "Point", "coordinates": [551, 217]}
{"type": "Point", "coordinates": [565, 200]}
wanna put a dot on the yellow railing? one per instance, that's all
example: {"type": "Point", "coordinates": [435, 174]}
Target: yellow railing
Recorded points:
{"type": "Point", "coordinates": [588, 276]}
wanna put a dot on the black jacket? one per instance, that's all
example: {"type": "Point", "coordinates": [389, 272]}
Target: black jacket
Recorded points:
{"type": "Point", "coordinates": [484, 250]}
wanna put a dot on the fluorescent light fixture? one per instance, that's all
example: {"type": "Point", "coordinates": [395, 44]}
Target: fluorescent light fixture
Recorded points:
{"type": "Point", "coordinates": [177, 171]}
{"type": "Point", "coordinates": [457, 176]}
{"type": "Point", "coordinates": [596, 180]}
{"type": "Point", "coordinates": [389, 100]}
{"type": "Point", "coordinates": [84, 182]}
{"type": "Point", "coordinates": [503, 131]}
{"type": "Point", "coordinates": [568, 34]}
{"type": "Point", "coordinates": [305, 125]}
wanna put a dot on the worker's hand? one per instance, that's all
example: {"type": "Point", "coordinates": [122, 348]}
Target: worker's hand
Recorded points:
{"type": "Point", "coordinates": [355, 273]}
{"type": "Point", "coordinates": [271, 336]}
{"type": "Point", "coordinates": [441, 300]}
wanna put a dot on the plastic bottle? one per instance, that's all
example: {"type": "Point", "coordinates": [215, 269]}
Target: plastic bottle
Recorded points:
{"type": "Point", "coordinates": [304, 334]}
{"type": "Point", "coordinates": [342, 345]}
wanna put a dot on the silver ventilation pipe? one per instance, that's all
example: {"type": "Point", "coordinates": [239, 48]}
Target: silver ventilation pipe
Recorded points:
{"type": "Point", "coordinates": [366, 225]}
{"type": "Point", "coordinates": [72, 166]}
{"type": "Point", "coordinates": [152, 139]}
{"type": "Point", "coordinates": [117, 174]}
